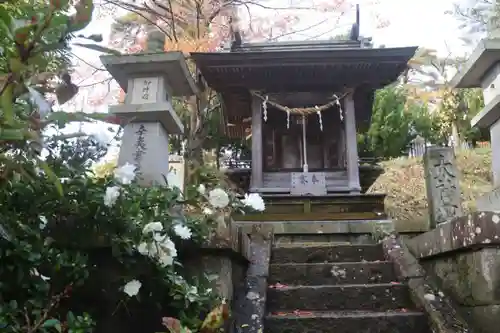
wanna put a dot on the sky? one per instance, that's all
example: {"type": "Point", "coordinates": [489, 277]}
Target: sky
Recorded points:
{"type": "Point", "coordinates": [419, 23]}
{"type": "Point", "coordinates": [411, 23]}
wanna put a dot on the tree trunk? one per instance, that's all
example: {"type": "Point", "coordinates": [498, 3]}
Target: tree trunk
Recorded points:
{"type": "Point", "coordinates": [457, 144]}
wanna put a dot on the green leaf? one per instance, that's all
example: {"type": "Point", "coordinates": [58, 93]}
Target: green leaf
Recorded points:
{"type": "Point", "coordinates": [5, 22]}
{"type": "Point", "coordinates": [13, 304]}
{"type": "Point", "coordinates": [6, 100]}
{"type": "Point", "coordinates": [51, 175]}
{"type": "Point", "coordinates": [52, 323]}
{"type": "Point", "coordinates": [11, 134]}
{"type": "Point", "coordinates": [99, 48]}
{"type": "Point", "coordinates": [70, 317]}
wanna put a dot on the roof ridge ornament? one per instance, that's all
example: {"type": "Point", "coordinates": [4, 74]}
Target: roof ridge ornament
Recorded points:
{"type": "Point", "coordinates": [354, 35]}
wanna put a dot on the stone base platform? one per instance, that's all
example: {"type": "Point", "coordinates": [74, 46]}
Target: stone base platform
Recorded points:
{"type": "Point", "coordinates": [285, 207]}
{"type": "Point", "coordinates": [317, 233]}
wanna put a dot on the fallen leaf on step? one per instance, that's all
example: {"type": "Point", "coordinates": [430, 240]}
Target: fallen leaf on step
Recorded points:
{"type": "Point", "coordinates": [277, 286]}
{"type": "Point", "coordinates": [302, 313]}
{"type": "Point", "coordinates": [279, 313]}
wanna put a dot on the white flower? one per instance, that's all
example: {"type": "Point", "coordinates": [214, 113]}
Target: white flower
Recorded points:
{"type": "Point", "coordinates": [218, 198]}
{"type": "Point", "coordinates": [112, 194]}
{"type": "Point", "coordinates": [35, 272]}
{"type": "Point", "coordinates": [101, 137]}
{"type": "Point", "coordinates": [158, 237]}
{"type": "Point", "coordinates": [125, 174]}
{"type": "Point", "coordinates": [202, 189]}
{"type": "Point", "coordinates": [169, 246]}
{"type": "Point", "coordinates": [43, 222]}
{"type": "Point", "coordinates": [146, 249]}
{"type": "Point", "coordinates": [255, 201]}
{"type": "Point", "coordinates": [167, 252]}
{"type": "Point", "coordinates": [165, 259]}
{"type": "Point", "coordinates": [207, 211]}
{"type": "Point", "coordinates": [152, 227]}
{"type": "Point", "coordinates": [192, 294]}
{"type": "Point", "coordinates": [132, 288]}
{"type": "Point", "coordinates": [182, 231]}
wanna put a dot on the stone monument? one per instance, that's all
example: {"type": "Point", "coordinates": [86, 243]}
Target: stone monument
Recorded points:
{"type": "Point", "coordinates": [482, 69]}
{"type": "Point", "coordinates": [150, 81]}
{"type": "Point", "coordinates": [442, 183]}
{"type": "Point", "coordinates": [176, 173]}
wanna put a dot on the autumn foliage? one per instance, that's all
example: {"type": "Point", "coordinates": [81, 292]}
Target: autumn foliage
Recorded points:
{"type": "Point", "coordinates": [212, 323]}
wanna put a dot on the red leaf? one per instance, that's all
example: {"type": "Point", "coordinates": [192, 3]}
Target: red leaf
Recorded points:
{"type": "Point", "coordinates": [278, 286]}
{"type": "Point", "coordinates": [302, 313]}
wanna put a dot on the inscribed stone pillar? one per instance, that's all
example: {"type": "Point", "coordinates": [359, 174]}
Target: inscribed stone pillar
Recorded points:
{"type": "Point", "coordinates": [442, 183]}
{"type": "Point", "coordinates": [150, 81]}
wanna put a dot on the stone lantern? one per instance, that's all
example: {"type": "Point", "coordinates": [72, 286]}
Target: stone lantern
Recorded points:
{"type": "Point", "coordinates": [150, 81]}
{"type": "Point", "coordinates": [482, 70]}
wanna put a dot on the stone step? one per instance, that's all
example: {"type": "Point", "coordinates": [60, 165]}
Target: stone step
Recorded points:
{"type": "Point", "coordinates": [310, 244]}
{"type": "Point", "coordinates": [347, 322]}
{"type": "Point", "coordinates": [321, 254]}
{"type": "Point", "coordinates": [379, 297]}
{"type": "Point", "coordinates": [332, 273]}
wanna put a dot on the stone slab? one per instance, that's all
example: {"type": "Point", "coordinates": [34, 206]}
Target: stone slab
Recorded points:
{"type": "Point", "coordinates": [372, 297]}
{"type": "Point", "coordinates": [485, 55]}
{"type": "Point", "coordinates": [348, 322]}
{"type": "Point", "coordinates": [320, 227]}
{"type": "Point", "coordinates": [475, 230]}
{"type": "Point", "coordinates": [405, 264]}
{"type": "Point", "coordinates": [339, 253]}
{"type": "Point", "coordinates": [332, 273]}
{"type": "Point", "coordinates": [161, 112]}
{"type": "Point", "coordinates": [471, 277]}
{"type": "Point", "coordinates": [487, 317]}
{"type": "Point", "coordinates": [171, 65]}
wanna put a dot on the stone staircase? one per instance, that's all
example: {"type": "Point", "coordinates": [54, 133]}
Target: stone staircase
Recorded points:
{"type": "Point", "coordinates": [338, 289]}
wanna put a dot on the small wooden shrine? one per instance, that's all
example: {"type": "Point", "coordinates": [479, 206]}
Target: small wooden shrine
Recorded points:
{"type": "Point", "coordinates": [302, 103]}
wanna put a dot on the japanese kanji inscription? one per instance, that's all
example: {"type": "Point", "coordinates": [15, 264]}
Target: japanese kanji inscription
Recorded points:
{"type": "Point", "coordinates": [145, 90]}
{"type": "Point", "coordinates": [308, 183]}
{"type": "Point", "coordinates": [442, 182]}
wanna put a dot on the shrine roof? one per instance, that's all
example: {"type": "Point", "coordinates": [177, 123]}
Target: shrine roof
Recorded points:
{"type": "Point", "coordinates": [302, 66]}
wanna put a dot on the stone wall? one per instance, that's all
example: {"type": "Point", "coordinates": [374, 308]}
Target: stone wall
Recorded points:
{"type": "Point", "coordinates": [225, 255]}
{"type": "Point", "coordinates": [464, 256]}
{"type": "Point", "coordinates": [250, 305]}
{"type": "Point", "coordinates": [426, 293]}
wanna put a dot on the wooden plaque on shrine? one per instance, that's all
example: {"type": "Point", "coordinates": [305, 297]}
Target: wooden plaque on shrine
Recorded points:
{"type": "Point", "coordinates": [308, 183]}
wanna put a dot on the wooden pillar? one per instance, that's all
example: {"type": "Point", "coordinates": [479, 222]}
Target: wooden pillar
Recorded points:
{"type": "Point", "coordinates": [256, 182]}
{"type": "Point", "coordinates": [351, 145]}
